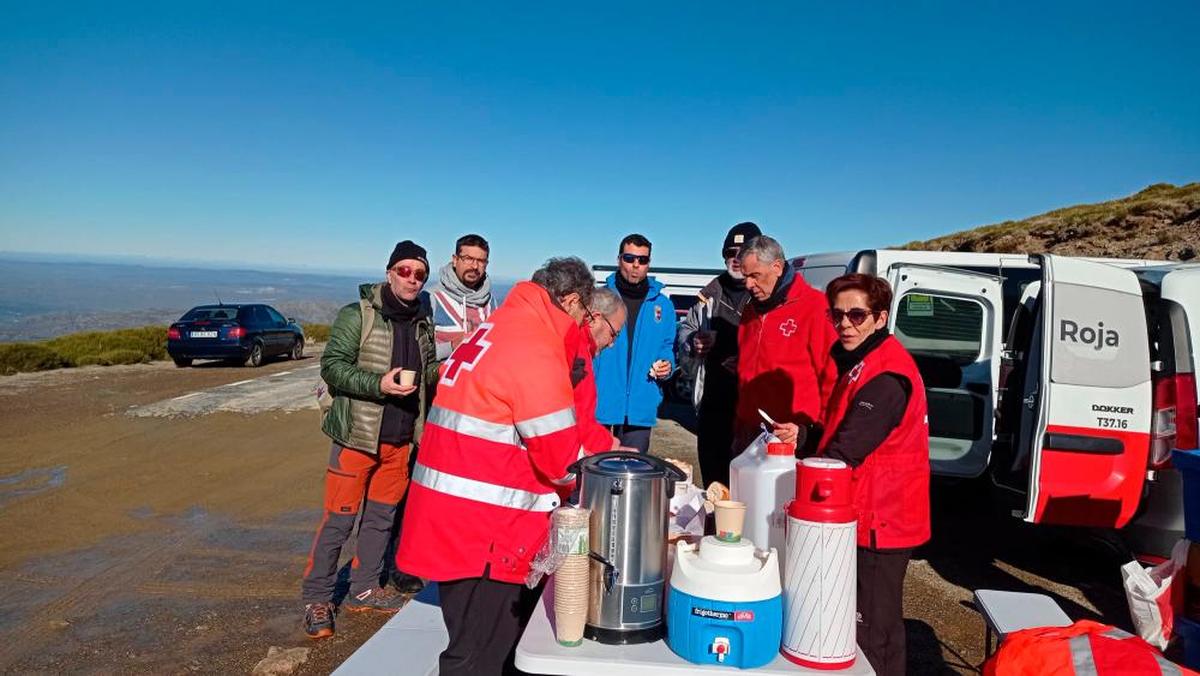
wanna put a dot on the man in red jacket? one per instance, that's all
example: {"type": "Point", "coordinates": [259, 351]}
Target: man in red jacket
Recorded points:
{"type": "Point", "coordinates": [783, 349]}
{"type": "Point", "coordinates": [493, 458]}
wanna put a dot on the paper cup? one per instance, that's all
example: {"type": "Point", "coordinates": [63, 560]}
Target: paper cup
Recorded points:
{"type": "Point", "coordinates": [731, 515]}
{"type": "Point", "coordinates": [569, 628]}
{"type": "Point", "coordinates": [407, 377]}
{"type": "Point", "coordinates": [571, 599]}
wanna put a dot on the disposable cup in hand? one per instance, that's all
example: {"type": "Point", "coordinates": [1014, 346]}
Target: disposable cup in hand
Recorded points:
{"type": "Point", "coordinates": [731, 516]}
{"type": "Point", "coordinates": [407, 377]}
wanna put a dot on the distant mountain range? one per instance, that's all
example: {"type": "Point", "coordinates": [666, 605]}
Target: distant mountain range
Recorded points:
{"type": "Point", "coordinates": [42, 298]}
{"type": "Point", "coordinates": [1160, 222]}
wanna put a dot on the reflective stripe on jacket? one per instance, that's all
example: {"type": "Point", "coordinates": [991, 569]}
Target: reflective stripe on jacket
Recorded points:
{"type": "Point", "coordinates": [496, 446]}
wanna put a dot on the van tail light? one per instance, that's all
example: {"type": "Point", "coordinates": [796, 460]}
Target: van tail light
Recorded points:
{"type": "Point", "coordinates": [173, 333]}
{"type": "Point", "coordinates": [236, 332]}
{"type": "Point", "coordinates": [1185, 412]}
{"type": "Point", "coordinates": [1174, 422]}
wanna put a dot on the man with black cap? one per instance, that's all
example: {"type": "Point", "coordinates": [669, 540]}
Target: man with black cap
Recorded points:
{"type": "Point", "coordinates": [376, 365]}
{"type": "Point", "coordinates": [709, 335]}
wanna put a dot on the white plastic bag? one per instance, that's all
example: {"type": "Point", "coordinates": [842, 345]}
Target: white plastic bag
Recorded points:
{"type": "Point", "coordinates": [1155, 595]}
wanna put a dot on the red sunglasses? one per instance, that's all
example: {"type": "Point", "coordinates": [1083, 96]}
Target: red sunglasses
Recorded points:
{"type": "Point", "coordinates": [406, 271]}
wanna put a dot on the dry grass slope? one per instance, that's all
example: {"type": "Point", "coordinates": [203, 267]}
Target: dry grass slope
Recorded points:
{"type": "Point", "coordinates": [1160, 222]}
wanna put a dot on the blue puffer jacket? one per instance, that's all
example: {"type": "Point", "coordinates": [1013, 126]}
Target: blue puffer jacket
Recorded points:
{"type": "Point", "coordinates": [624, 390]}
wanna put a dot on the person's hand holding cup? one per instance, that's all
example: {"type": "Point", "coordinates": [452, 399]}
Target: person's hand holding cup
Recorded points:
{"type": "Point", "coordinates": [702, 342]}
{"type": "Point", "coordinates": [660, 369]}
{"type": "Point", "coordinates": [399, 382]}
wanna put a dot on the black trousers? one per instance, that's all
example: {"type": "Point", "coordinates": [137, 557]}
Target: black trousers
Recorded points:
{"type": "Point", "coordinates": [714, 432]}
{"type": "Point", "coordinates": [485, 619]}
{"type": "Point", "coordinates": [881, 608]}
{"type": "Point", "coordinates": [633, 436]}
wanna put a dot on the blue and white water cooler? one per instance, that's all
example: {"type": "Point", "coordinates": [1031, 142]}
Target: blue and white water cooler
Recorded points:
{"type": "Point", "coordinates": [725, 604]}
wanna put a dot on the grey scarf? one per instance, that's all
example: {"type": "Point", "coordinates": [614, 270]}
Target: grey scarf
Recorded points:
{"type": "Point", "coordinates": [461, 292]}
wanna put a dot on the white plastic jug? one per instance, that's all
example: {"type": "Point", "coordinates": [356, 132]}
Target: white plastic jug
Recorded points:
{"type": "Point", "coordinates": [764, 477]}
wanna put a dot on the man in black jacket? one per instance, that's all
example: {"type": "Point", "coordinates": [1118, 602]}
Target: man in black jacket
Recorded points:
{"type": "Point", "coordinates": [709, 333]}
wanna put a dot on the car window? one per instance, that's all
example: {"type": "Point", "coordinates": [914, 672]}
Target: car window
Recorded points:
{"type": "Point", "coordinates": [210, 314]}
{"type": "Point", "coordinates": [260, 316]}
{"type": "Point", "coordinates": [941, 325]}
{"type": "Point", "coordinates": [275, 316]}
{"type": "Point", "coordinates": [1098, 337]}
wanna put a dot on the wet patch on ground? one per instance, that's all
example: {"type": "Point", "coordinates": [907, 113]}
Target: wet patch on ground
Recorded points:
{"type": "Point", "coordinates": [31, 482]}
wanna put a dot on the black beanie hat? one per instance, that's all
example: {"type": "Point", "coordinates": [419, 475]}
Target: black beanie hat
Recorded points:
{"type": "Point", "coordinates": [408, 249]}
{"type": "Point", "coordinates": [739, 235]}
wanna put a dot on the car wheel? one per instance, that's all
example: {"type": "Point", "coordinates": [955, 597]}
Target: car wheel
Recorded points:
{"type": "Point", "coordinates": [182, 362]}
{"type": "Point", "coordinates": [297, 350]}
{"type": "Point", "coordinates": [256, 355]}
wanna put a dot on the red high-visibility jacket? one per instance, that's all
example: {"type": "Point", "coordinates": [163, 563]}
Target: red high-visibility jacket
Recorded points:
{"type": "Point", "coordinates": [496, 447]}
{"type": "Point", "coordinates": [891, 487]}
{"type": "Point", "coordinates": [1085, 647]}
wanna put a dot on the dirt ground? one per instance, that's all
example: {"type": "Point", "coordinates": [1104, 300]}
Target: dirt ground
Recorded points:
{"type": "Point", "coordinates": [147, 531]}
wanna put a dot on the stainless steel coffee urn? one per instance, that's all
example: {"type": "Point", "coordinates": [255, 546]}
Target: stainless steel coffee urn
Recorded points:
{"type": "Point", "coordinates": [629, 495]}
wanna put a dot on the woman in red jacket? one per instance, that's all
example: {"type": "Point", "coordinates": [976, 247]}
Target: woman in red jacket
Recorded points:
{"type": "Point", "coordinates": [876, 423]}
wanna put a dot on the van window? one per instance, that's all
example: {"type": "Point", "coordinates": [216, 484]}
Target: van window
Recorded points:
{"type": "Point", "coordinates": [1098, 337]}
{"type": "Point", "coordinates": [819, 276]}
{"type": "Point", "coordinates": [942, 325]}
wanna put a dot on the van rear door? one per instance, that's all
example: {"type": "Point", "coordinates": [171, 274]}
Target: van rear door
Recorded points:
{"type": "Point", "coordinates": [1087, 396]}
{"type": "Point", "coordinates": [948, 320]}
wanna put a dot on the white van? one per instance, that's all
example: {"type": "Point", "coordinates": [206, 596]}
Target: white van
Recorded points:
{"type": "Point", "coordinates": [1069, 380]}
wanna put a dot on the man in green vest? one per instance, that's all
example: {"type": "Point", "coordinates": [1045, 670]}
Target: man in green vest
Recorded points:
{"type": "Point", "coordinates": [376, 365]}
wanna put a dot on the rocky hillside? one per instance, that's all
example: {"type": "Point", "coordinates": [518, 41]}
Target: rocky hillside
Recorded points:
{"type": "Point", "coordinates": [1160, 222]}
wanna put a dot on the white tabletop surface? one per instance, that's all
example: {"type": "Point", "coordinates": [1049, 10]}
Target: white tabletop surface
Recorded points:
{"type": "Point", "coordinates": [539, 653]}
{"type": "Point", "coordinates": [1008, 611]}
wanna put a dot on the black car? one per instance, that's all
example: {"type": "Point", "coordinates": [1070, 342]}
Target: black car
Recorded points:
{"type": "Point", "coordinates": [243, 333]}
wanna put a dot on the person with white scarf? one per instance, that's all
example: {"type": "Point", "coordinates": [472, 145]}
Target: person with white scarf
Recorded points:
{"type": "Point", "coordinates": [462, 298]}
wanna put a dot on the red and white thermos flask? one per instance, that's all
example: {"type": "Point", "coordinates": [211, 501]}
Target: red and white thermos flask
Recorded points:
{"type": "Point", "coordinates": [820, 570]}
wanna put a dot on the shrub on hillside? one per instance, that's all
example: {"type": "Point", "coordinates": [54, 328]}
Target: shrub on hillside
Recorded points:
{"type": "Point", "coordinates": [150, 342]}
{"type": "Point", "coordinates": [316, 333]}
{"type": "Point", "coordinates": [23, 357]}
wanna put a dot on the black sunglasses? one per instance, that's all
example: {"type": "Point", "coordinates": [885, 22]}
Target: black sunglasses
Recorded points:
{"type": "Point", "coordinates": [857, 316]}
{"type": "Point", "coordinates": [731, 252]}
{"type": "Point", "coordinates": [641, 260]}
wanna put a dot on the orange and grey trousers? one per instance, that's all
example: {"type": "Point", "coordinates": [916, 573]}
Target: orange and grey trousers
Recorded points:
{"type": "Point", "coordinates": [352, 476]}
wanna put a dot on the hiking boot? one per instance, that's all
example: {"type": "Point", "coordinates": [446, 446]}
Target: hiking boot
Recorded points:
{"type": "Point", "coordinates": [318, 620]}
{"type": "Point", "coordinates": [379, 599]}
{"type": "Point", "coordinates": [405, 583]}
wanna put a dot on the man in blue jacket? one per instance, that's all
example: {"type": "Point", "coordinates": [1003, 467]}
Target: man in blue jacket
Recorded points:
{"type": "Point", "coordinates": [628, 376]}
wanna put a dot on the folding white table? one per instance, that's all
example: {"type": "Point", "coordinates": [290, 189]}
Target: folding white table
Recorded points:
{"type": "Point", "coordinates": [539, 653]}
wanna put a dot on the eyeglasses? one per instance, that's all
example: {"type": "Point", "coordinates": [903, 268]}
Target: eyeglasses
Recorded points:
{"type": "Point", "coordinates": [592, 318]}
{"type": "Point", "coordinates": [406, 271]}
{"type": "Point", "coordinates": [857, 315]}
{"type": "Point", "coordinates": [471, 260]}
{"type": "Point", "coordinates": [630, 258]}
{"type": "Point", "coordinates": [731, 252]}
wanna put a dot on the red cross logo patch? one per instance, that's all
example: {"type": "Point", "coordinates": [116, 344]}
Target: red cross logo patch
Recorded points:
{"type": "Point", "coordinates": [466, 356]}
{"type": "Point", "coordinates": [788, 328]}
{"type": "Point", "coordinates": [855, 372]}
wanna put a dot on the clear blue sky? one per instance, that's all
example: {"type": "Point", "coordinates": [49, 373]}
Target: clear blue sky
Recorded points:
{"type": "Point", "coordinates": [317, 136]}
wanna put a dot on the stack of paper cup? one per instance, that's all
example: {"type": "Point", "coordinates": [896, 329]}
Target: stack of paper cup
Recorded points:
{"type": "Point", "coordinates": [571, 578]}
